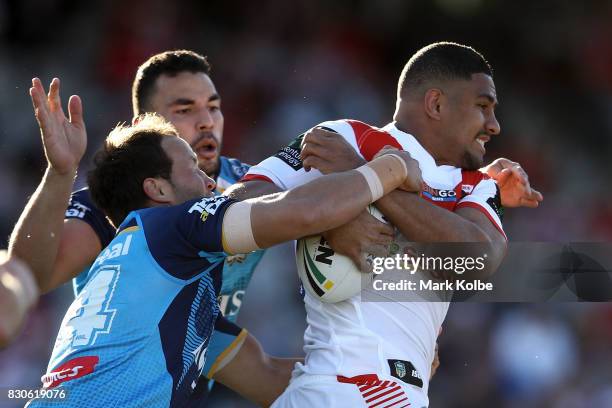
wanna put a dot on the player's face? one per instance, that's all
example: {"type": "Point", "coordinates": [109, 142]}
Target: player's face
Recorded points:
{"type": "Point", "coordinates": [470, 120]}
{"type": "Point", "coordinates": [187, 179]}
{"type": "Point", "coordinates": [191, 102]}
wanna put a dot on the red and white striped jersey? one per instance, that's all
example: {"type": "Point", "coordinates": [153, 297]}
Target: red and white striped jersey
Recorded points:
{"type": "Point", "coordinates": [352, 338]}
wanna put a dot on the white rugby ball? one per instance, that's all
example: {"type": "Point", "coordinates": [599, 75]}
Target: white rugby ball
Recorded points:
{"type": "Point", "coordinates": [328, 276]}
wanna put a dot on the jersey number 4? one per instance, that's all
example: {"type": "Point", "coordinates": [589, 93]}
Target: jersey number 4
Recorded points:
{"type": "Point", "coordinates": [90, 314]}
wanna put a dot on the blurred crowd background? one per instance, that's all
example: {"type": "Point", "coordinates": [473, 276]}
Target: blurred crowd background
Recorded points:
{"type": "Point", "coordinates": [283, 66]}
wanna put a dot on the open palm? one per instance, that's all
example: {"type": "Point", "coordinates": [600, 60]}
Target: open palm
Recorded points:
{"type": "Point", "coordinates": [64, 139]}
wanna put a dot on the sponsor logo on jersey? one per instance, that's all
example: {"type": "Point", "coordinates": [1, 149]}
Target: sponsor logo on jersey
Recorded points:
{"type": "Point", "coordinates": [438, 195]}
{"type": "Point", "coordinates": [206, 206]}
{"type": "Point", "coordinates": [230, 304]}
{"type": "Point", "coordinates": [70, 370]}
{"type": "Point", "coordinates": [467, 188]}
{"type": "Point", "coordinates": [290, 154]}
{"type": "Point", "coordinates": [76, 210]}
{"type": "Point", "coordinates": [117, 249]}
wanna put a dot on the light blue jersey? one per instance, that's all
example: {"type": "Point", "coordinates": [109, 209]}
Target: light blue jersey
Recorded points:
{"type": "Point", "coordinates": [237, 270]}
{"type": "Point", "coordinates": [138, 332]}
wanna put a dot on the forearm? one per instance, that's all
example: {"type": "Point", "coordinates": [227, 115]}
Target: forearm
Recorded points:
{"type": "Point", "coordinates": [18, 293]}
{"type": "Point", "coordinates": [422, 222]}
{"type": "Point", "coordinates": [413, 216]}
{"type": "Point", "coordinates": [256, 375]}
{"type": "Point", "coordinates": [36, 236]}
{"type": "Point", "coordinates": [320, 205]}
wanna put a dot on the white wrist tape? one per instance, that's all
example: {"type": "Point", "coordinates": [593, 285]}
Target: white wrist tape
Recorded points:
{"type": "Point", "coordinates": [376, 188]}
{"type": "Point", "coordinates": [237, 231]}
{"type": "Point", "coordinates": [384, 174]}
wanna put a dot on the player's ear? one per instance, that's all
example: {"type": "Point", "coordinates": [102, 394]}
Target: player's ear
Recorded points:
{"type": "Point", "coordinates": [432, 103]}
{"type": "Point", "coordinates": [158, 190]}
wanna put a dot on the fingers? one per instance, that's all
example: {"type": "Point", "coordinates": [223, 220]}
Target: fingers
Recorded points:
{"type": "Point", "coordinates": [501, 177]}
{"type": "Point", "coordinates": [380, 251]}
{"type": "Point", "coordinates": [314, 162]}
{"type": "Point", "coordinates": [537, 195]}
{"type": "Point", "coordinates": [520, 174]}
{"type": "Point", "coordinates": [39, 100]}
{"type": "Point", "coordinates": [55, 103]}
{"type": "Point", "coordinates": [75, 110]}
{"type": "Point", "coordinates": [311, 149]}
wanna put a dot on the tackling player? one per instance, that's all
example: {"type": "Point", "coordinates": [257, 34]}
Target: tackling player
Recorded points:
{"type": "Point", "coordinates": [138, 332]}
{"type": "Point", "coordinates": [177, 85]}
{"type": "Point", "coordinates": [380, 353]}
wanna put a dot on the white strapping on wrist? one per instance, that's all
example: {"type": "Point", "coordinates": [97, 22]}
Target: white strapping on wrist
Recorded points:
{"type": "Point", "coordinates": [376, 188]}
{"type": "Point", "coordinates": [237, 230]}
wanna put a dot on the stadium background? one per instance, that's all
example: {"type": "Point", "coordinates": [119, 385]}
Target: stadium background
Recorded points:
{"type": "Point", "coordinates": [281, 67]}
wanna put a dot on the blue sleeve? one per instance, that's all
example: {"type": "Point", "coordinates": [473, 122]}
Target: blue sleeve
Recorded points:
{"type": "Point", "coordinates": [186, 239]}
{"type": "Point", "coordinates": [82, 207]}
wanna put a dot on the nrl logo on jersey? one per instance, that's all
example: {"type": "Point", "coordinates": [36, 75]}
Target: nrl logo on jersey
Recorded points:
{"type": "Point", "coordinates": [400, 368]}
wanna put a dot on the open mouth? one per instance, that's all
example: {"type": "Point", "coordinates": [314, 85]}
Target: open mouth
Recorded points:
{"type": "Point", "coordinates": [481, 140]}
{"type": "Point", "coordinates": [206, 148]}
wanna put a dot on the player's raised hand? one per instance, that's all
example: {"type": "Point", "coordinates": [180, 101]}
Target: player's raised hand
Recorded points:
{"type": "Point", "coordinates": [64, 138]}
{"type": "Point", "coordinates": [328, 152]}
{"type": "Point", "coordinates": [414, 181]}
{"type": "Point", "coordinates": [513, 183]}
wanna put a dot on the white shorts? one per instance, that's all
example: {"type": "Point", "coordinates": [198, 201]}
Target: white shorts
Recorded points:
{"type": "Point", "coordinates": [370, 390]}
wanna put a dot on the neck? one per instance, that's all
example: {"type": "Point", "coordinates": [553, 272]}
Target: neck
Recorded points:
{"type": "Point", "coordinates": [419, 127]}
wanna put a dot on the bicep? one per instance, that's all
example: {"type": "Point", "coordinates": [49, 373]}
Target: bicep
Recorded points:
{"type": "Point", "coordinates": [484, 222]}
{"type": "Point", "coordinates": [79, 246]}
{"type": "Point", "coordinates": [251, 225]}
{"type": "Point", "coordinates": [496, 248]}
{"type": "Point", "coordinates": [250, 189]}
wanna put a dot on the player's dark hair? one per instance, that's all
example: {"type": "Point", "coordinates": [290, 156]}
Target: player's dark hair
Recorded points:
{"type": "Point", "coordinates": [170, 63]}
{"type": "Point", "coordinates": [441, 61]}
{"type": "Point", "coordinates": [130, 155]}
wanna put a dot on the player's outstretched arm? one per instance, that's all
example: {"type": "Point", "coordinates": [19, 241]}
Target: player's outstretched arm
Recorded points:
{"type": "Point", "coordinates": [18, 293]}
{"type": "Point", "coordinates": [36, 236]}
{"type": "Point", "coordinates": [251, 189]}
{"type": "Point", "coordinates": [256, 375]}
{"type": "Point", "coordinates": [322, 204]}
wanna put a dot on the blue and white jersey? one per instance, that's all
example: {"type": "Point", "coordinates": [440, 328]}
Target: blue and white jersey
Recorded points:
{"type": "Point", "coordinates": [238, 269]}
{"type": "Point", "coordinates": [138, 332]}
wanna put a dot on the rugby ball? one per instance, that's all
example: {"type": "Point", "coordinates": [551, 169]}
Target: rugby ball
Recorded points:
{"type": "Point", "coordinates": [325, 275]}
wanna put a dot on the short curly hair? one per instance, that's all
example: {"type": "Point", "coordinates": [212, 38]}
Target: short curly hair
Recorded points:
{"type": "Point", "coordinates": [130, 155]}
